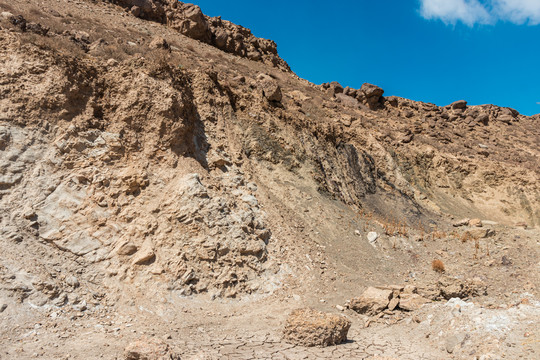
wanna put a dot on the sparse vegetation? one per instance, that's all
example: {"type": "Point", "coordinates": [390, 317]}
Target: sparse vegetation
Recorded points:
{"type": "Point", "coordinates": [438, 266]}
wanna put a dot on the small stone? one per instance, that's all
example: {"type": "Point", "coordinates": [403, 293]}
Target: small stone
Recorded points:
{"type": "Point", "coordinates": [145, 254]}
{"type": "Point", "coordinates": [239, 79]}
{"type": "Point", "coordinates": [372, 236]}
{"type": "Point", "coordinates": [475, 222]}
{"type": "Point", "coordinates": [411, 302]}
{"type": "Point", "coordinates": [135, 11]}
{"type": "Point", "coordinates": [80, 306]}
{"type": "Point", "coordinates": [3, 307]}
{"type": "Point", "coordinates": [479, 233]}
{"type": "Point", "coordinates": [506, 261]}
{"type": "Point", "coordinates": [72, 281]}
{"type": "Point", "coordinates": [462, 222]}
{"type": "Point", "coordinates": [7, 15]}
{"type": "Point", "coordinates": [127, 249]}
{"type": "Point", "coordinates": [393, 304]}
{"type": "Point", "coordinates": [409, 289]}
{"type": "Point", "coordinates": [453, 341]}
{"type": "Point", "coordinates": [308, 327]}
{"type": "Point", "coordinates": [158, 43]}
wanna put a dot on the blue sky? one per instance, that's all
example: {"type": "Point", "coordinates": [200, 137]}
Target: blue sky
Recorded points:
{"type": "Point", "coordinates": [439, 51]}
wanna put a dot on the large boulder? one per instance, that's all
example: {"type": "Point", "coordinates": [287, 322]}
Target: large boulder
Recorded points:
{"type": "Point", "coordinates": [372, 95]}
{"type": "Point", "coordinates": [149, 349]}
{"type": "Point", "coordinates": [372, 301]}
{"type": "Point", "coordinates": [460, 104]}
{"type": "Point", "coordinates": [269, 88]}
{"type": "Point", "coordinates": [308, 327]}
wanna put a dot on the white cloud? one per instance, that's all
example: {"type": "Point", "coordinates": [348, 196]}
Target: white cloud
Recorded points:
{"type": "Point", "coordinates": [451, 11]}
{"type": "Point", "coordinates": [518, 11]}
{"type": "Point", "coordinates": [472, 12]}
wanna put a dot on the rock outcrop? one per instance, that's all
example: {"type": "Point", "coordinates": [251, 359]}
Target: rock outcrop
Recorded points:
{"type": "Point", "coordinates": [189, 20]}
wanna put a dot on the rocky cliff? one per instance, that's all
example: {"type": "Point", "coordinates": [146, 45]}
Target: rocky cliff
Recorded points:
{"type": "Point", "coordinates": [189, 20]}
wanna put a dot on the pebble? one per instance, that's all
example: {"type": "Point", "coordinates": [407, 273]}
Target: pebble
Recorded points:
{"type": "Point", "coordinates": [372, 236]}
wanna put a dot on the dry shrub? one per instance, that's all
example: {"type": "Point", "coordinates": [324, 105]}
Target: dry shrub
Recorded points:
{"type": "Point", "coordinates": [466, 236]}
{"type": "Point", "coordinates": [59, 44]}
{"type": "Point", "coordinates": [438, 266]}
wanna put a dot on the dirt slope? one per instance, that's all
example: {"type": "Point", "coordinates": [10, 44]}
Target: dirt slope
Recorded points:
{"type": "Point", "coordinates": [166, 173]}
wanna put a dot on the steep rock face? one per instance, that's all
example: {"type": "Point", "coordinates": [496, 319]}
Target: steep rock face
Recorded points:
{"type": "Point", "coordinates": [189, 20]}
{"type": "Point", "coordinates": [97, 178]}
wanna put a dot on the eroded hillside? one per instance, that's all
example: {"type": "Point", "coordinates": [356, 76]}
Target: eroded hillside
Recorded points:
{"type": "Point", "coordinates": [154, 156]}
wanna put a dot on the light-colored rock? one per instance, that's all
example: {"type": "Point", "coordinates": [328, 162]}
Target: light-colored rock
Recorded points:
{"type": "Point", "coordinates": [72, 281]}
{"type": "Point", "coordinates": [372, 301]}
{"type": "Point", "coordinates": [127, 248]}
{"type": "Point", "coordinates": [6, 15]}
{"type": "Point", "coordinates": [149, 349]}
{"type": "Point", "coordinates": [475, 222]}
{"type": "Point", "coordinates": [308, 327]}
{"type": "Point", "coordinates": [372, 236]}
{"type": "Point", "coordinates": [451, 342]}
{"type": "Point", "coordinates": [145, 253]}
{"type": "Point", "coordinates": [411, 302]}
{"type": "Point", "coordinates": [462, 222]}
{"type": "Point", "coordinates": [393, 303]}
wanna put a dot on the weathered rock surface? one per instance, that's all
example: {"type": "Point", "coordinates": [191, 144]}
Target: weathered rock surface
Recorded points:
{"type": "Point", "coordinates": [189, 20]}
{"type": "Point", "coordinates": [372, 301]}
{"type": "Point", "coordinates": [308, 327]}
{"type": "Point", "coordinates": [411, 302]}
{"type": "Point", "coordinates": [149, 349]}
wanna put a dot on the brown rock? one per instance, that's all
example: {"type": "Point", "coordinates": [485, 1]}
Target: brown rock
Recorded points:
{"type": "Point", "coordinates": [507, 119]}
{"type": "Point", "coordinates": [271, 90]}
{"type": "Point", "coordinates": [145, 254]}
{"type": "Point", "coordinates": [460, 104]}
{"type": "Point", "coordinates": [149, 349]}
{"type": "Point", "coordinates": [458, 288]}
{"type": "Point", "coordinates": [372, 91]}
{"type": "Point", "coordinates": [475, 222]}
{"type": "Point", "coordinates": [483, 119]}
{"type": "Point", "coordinates": [127, 248]}
{"type": "Point", "coordinates": [372, 94]}
{"type": "Point", "coordinates": [135, 11]}
{"type": "Point", "coordinates": [347, 100]}
{"type": "Point", "coordinates": [393, 304]}
{"type": "Point", "coordinates": [372, 301]}
{"type": "Point", "coordinates": [159, 43]}
{"type": "Point", "coordinates": [411, 302]}
{"type": "Point", "coordinates": [308, 327]}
